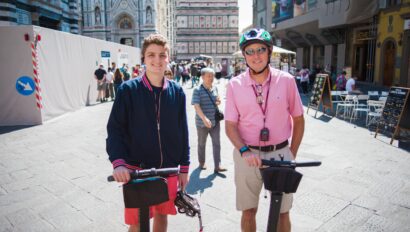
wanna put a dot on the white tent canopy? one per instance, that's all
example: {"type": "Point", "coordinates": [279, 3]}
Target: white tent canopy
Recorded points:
{"type": "Point", "coordinates": [274, 50]}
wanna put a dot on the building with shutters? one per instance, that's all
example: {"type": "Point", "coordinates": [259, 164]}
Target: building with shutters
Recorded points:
{"type": "Point", "coordinates": [206, 28]}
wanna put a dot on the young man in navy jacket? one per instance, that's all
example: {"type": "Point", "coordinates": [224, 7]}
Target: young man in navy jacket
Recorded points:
{"type": "Point", "coordinates": [148, 128]}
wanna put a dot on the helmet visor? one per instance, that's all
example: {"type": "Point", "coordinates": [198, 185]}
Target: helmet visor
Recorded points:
{"type": "Point", "coordinates": [253, 34]}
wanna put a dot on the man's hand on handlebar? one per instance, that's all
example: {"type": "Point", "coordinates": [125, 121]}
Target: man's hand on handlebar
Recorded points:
{"type": "Point", "coordinates": [252, 159]}
{"type": "Point", "coordinates": [121, 174]}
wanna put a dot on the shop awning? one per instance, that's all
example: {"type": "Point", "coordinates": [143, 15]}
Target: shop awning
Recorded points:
{"type": "Point", "coordinates": [276, 49]}
{"type": "Point", "coordinates": [282, 50]}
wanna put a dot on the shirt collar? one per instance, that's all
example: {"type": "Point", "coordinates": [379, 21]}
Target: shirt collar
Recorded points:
{"type": "Point", "coordinates": [148, 85]}
{"type": "Point", "coordinates": [249, 81]}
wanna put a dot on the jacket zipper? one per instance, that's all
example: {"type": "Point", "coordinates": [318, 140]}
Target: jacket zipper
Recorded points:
{"type": "Point", "coordinates": [158, 126]}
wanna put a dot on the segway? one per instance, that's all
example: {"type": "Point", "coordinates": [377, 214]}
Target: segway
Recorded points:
{"type": "Point", "coordinates": [146, 188]}
{"type": "Point", "coordinates": [281, 177]}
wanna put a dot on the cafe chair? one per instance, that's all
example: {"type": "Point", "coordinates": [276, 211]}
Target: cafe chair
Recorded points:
{"type": "Point", "coordinates": [383, 98]}
{"type": "Point", "coordinates": [360, 105]}
{"type": "Point", "coordinates": [373, 95]}
{"type": "Point", "coordinates": [345, 106]}
{"type": "Point", "coordinates": [336, 96]}
{"type": "Point", "coordinates": [375, 111]}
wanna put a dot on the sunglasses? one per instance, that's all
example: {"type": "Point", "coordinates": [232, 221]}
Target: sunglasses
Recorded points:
{"type": "Point", "coordinates": [259, 51]}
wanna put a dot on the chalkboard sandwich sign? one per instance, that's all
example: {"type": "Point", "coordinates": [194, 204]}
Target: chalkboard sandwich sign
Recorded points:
{"type": "Point", "coordinates": [396, 113]}
{"type": "Point", "coordinates": [321, 94]}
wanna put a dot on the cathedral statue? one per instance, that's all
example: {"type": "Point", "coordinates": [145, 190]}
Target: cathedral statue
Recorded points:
{"type": "Point", "coordinates": [97, 15]}
{"type": "Point", "coordinates": [149, 16]}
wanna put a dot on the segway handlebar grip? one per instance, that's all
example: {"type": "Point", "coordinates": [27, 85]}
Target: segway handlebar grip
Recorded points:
{"type": "Point", "coordinates": [164, 172]}
{"type": "Point", "coordinates": [308, 164]}
{"type": "Point", "coordinates": [290, 164]}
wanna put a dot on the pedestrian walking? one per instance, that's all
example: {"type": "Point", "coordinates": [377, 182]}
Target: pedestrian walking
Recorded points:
{"type": "Point", "coordinates": [147, 128]}
{"type": "Point", "coordinates": [304, 79]}
{"type": "Point", "coordinates": [218, 72]}
{"type": "Point", "coordinates": [341, 82]}
{"type": "Point", "coordinates": [124, 70]}
{"type": "Point", "coordinates": [99, 75]}
{"type": "Point", "coordinates": [263, 111]}
{"type": "Point", "coordinates": [205, 98]}
{"type": "Point", "coordinates": [118, 79]}
{"type": "Point", "coordinates": [109, 84]}
{"type": "Point", "coordinates": [194, 75]}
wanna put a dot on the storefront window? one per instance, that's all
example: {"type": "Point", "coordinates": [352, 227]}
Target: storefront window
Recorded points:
{"type": "Point", "coordinates": [318, 55]}
{"type": "Point", "coordinates": [393, 2]}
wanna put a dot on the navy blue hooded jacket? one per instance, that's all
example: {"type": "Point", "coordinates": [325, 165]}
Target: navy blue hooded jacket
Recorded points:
{"type": "Point", "coordinates": [133, 136]}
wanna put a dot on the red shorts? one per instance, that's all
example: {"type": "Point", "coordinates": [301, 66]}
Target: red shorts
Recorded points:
{"type": "Point", "coordinates": [131, 214]}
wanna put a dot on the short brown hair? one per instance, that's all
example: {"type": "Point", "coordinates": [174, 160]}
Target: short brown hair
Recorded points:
{"type": "Point", "coordinates": [157, 39]}
{"type": "Point", "coordinates": [168, 72]}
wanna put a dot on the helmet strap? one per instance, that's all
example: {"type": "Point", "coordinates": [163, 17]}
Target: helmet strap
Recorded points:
{"type": "Point", "coordinates": [253, 72]}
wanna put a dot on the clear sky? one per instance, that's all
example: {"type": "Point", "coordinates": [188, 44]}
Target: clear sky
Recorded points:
{"type": "Point", "coordinates": [245, 13]}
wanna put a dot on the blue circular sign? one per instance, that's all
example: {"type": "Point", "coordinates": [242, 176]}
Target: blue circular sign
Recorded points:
{"type": "Point", "coordinates": [25, 85]}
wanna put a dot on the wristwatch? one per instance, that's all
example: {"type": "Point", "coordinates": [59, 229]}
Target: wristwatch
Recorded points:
{"type": "Point", "coordinates": [244, 149]}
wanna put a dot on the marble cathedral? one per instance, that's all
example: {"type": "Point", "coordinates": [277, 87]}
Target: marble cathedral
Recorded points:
{"type": "Point", "coordinates": [121, 21]}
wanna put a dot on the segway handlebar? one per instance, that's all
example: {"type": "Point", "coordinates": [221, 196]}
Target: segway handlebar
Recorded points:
{"type": "Point", "coordinates": [145, 173]}
{"type": "Point", "coordinates": [289, 164]}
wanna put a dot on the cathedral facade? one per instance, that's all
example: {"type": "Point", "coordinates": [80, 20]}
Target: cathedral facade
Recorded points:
{"type": "Point", "coordinates": [121, 21]}
{"type": "Point", "coordinates": [55, 14]}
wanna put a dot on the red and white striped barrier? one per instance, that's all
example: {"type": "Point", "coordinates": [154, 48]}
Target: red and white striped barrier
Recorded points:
{"type": "Point", "coordinates": [35, 71]}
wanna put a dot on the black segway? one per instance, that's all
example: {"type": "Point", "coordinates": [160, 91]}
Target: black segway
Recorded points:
{"type": "Point", "coordinates": [281, 177]}
{"type": "Point", "coordinates": [146, 188]}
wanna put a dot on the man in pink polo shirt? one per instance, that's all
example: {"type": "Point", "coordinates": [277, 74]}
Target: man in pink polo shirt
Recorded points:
{"type": "Point", "coordinates": [263, 111]}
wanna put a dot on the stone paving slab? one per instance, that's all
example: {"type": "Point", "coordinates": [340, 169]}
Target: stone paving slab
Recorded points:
{"type": "Point", "coordinates": [53, 178]}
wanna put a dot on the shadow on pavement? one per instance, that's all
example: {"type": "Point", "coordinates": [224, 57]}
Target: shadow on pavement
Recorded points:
{"type": "Point", "coordinates": [325, 118]}
{"type": "Point", "coordinates": [8, 129]}
{"type": "Point", "coordinates": [197, 184]}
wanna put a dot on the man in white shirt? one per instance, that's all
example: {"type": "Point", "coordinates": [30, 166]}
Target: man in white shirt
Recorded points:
{"type": "Point", "coordinates": [350, 84]}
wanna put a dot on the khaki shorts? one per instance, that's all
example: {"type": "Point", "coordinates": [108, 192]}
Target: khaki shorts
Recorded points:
{"type": "Point", "coordinates": [248, 180]}
{"type": "Point", "coordinates": [101, 85]}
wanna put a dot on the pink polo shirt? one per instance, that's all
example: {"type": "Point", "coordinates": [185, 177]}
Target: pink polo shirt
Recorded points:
{"type": "Point", "coordinates": [284, 102]}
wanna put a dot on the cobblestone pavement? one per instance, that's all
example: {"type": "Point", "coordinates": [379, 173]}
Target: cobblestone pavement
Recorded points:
{"type": "Point", "coordinates": [53, 178]}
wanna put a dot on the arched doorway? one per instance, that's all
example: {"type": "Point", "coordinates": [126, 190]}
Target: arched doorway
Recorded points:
{"type": "Point", "coordinates": [127, 41]}
{"type": "Point", "coordinates": [388, 62]}
{"type": "Point", "coordinates": [125, 25]}
{"type": "Point", "coordinates": [47, 22]}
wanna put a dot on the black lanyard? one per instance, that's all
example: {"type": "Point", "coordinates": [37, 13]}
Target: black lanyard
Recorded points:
{"type": "Point", "coordinates": [157, 102]}
{"type": "Point", "coordinates": [263, 109]}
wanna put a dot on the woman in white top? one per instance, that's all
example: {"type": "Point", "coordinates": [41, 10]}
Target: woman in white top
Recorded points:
{"type": "Point", "coordinates": [109, 84]}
